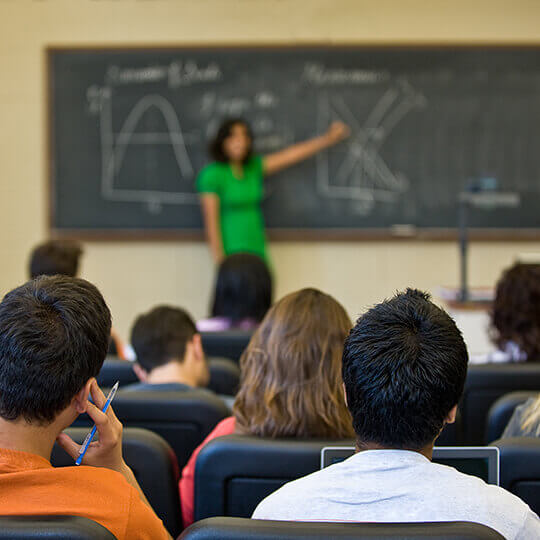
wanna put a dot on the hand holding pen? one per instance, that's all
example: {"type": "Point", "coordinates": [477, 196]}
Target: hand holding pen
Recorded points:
{"type": "Point", "coordinates": [107, 451]}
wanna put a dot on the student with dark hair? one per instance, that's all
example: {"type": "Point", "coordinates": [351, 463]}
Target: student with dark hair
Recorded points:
{"type": "Point", "coordinates": [54, 333]}
{"type": "Point", "coordinates": [404, 368]}
{"type": "Point", "coordinates": [242, 295]}
{"type": "Point", "coordinates": [55, 257]}
{"type": "Point", "coordinates": [515, 316]}
{"type": "Point", "coordinates": [62, 257]}
{"type": "Point", "coordinates": [169, 352]}
{"type": "Point", "coordinates": [231, 187]}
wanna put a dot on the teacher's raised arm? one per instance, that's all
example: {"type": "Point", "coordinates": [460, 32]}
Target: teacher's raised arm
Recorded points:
{"type": "Point", "coordinates": [295, 153]}
{"type": "Point", "coordinates": [231, 187]}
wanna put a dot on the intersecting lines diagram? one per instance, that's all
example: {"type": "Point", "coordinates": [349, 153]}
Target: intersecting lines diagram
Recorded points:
{"type": "Point", "coordinates": [126, 149]}
{"type": "Point", "coordinates": [361, 175]}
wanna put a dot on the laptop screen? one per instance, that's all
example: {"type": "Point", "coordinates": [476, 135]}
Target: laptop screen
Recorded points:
{"type": "Point", "coordinates": [480, 461]}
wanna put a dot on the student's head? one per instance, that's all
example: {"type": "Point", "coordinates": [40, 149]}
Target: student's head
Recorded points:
{"type": "Point", "coordinates": [233, 142]}
{"type": "Point", "coordinates": [516, 310]}
{"type": "Point", "coordinates": [404, 367]}
{"type": "Point", "coordinates": [54, 335]}
{"type": "Point", "coordinates": [168, 335]}
{"type": "Point", "coordinates": [55, 257]}
{"type": "Point", "coordinates": [243, 288]}
{"type": "Point", "coordinates": [290, 372]}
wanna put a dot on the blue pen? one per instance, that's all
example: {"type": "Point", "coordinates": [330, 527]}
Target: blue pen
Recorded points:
{"type": "Point", "coordinates": [90, 436]}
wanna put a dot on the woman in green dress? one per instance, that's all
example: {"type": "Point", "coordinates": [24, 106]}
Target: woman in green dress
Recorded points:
{"type": "Point", "coordinates": [231, 187]}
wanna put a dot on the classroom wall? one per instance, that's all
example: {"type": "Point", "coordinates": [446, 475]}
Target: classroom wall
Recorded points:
{"type": "Point", "coordinates": [134, 276]}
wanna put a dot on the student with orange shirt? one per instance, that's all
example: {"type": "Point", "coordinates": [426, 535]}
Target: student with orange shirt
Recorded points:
{"type": "Point", "coordinates": [54, 334]}
{"type": "Point", "coordinates": [291, 382]}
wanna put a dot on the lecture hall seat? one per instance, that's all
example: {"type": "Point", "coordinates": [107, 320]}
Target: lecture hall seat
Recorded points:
{"type": "Point", "coordinates": [223, 528]}
{"type": "Point", "coordinates": [52, 528]}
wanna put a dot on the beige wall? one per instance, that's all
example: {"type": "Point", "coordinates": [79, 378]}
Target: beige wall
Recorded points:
{"type": "Point", "coordinates": [134, 276]}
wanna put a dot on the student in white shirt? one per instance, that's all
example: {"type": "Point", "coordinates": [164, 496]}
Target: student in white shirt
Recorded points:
{"type": "Point", "coordinates": [404, 367]}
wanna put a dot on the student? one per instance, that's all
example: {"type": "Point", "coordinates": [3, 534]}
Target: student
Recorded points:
{"type": "Point", "coordinates": [231, 187]}
{"type": "Point", "coordinates": [525, 421]}
{"type": "Point", "coordinates": [515, 318]}
{"type": "Point", "coordinates": [54, 333]}
{"type": "Point", "coordinates": [55, 257]}
{"type": "Point", "coordinates": [169, 352]}
{"type": "Point", "coordinates": [63, 257]}
{"type": "Point", "coordinates": [290, 379]}
{"type": "Point", "coordinates": [242, 295]}
{"type": "Point", "coordinates": [404, 367]}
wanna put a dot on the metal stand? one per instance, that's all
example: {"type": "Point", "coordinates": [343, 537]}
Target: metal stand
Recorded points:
{"type": "Point", "coordinates": [483, 199]}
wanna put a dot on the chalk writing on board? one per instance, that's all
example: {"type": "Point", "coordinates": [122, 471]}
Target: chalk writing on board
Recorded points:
{"type": "Point", "coordinates": [177, 73]}
{"type": "Point", "coordinates": [363, 176]}
{"type": "Point", "coordinates": [114, 147]}
{"type": "Point", "coordinates": [320, 75]}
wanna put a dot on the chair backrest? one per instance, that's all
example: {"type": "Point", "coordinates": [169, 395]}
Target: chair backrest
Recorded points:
{"type": "Point", "coordinates": [224, 376]}
{"type": "Point", "coordinates": [501, 411]}
{"type": "Point", "coordinates": [52, 528]}
{"type": "Point", "coordinates": [234, 473]}
{"type": "Point", "coordinates": [154, 465]}
{"type": "Point", "coordinates": [224, 528]}
{"type": "Point", "coordinates": [113, 370]}
{"type": "Point", "coordinates": [520, 468]}
{"type": "Point", "coordinates": [230, 344]}
{"type": "Point", "coordinates": [183, 419]}
{"type": "Point", "coordinates": [484, 385]}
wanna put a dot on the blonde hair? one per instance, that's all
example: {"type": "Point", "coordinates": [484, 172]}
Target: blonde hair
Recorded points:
{"type": "Point", "coordinates": [531, 417]}
{"type": "Point", "coordinates": [291, 383]}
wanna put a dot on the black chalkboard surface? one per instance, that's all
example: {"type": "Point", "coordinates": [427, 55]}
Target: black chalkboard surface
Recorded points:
{"type": "Point", "coordinates": [129, 130]}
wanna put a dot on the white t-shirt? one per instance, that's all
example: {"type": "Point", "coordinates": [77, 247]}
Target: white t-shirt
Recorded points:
{"type": "Point", "coordinates": [399, 486]}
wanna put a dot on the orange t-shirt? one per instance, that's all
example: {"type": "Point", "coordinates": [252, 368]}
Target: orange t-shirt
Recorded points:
{"type": "Point", "coordinates": [30, 485]}
{"type": "Point", "coordinates": [187, 482]}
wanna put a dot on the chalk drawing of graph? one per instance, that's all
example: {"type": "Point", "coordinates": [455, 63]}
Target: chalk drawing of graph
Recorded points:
{"type": "Point", "coordinates": [115, 146]}
{"type": "Point", "coordinates": [362, 175]}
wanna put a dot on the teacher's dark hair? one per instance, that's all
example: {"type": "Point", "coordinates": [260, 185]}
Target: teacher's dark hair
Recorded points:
{"type": "Point", "coordinates": [216, 149]}
{"type": "Point", "coordinates": [404, 368]}
{"type": "Point", "coordinates": [54, 335]}
{"type": "Point", "coordinates": [243, 288]}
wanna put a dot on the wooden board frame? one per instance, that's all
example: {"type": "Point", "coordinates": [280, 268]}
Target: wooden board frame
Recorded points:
{"type": "Point", "coordinates": [279, 235]}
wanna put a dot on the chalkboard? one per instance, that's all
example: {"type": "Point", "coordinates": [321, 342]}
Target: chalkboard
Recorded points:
{"type": "Point", "coordinates": [129, 130]}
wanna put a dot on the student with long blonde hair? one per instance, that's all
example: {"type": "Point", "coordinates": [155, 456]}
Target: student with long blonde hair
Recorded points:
{"type": "Point", "coordinates": [525, 421]}
{"type": "Point", "coordinates": [291, 383]}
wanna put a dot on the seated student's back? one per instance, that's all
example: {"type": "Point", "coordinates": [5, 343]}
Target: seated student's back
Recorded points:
{"type": "Point", "coordinates": [404, 368]}
{"type": "Point", "coordinates": [290, 379]}
{"type": "Point", "coordinates": [242, 294]}
{"type": "Point", "coordinates": [54, 334]}
{"type": "Point", "coordinates": [515, 316]}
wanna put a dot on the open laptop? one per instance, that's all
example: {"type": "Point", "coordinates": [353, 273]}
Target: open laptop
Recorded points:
{"type": "Point", "coordinates": [481, 461]}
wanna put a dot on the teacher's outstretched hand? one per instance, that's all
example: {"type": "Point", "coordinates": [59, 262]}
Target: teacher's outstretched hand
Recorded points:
{"type": "Point", "coordinates": [231, 187]}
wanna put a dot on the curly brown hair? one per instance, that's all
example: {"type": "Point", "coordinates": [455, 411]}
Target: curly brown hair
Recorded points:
{"type": "Point", "coordinates": [291, 383]}
{"type": "Point", "coordinates": [516, 310]}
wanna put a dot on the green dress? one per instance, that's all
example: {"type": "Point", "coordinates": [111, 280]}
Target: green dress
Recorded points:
{"type": "Point", "coordinates": [242, 224]}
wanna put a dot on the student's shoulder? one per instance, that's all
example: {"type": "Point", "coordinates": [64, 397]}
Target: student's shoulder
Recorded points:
{"type": "Point", "coordinates": [141, 522]}
{"type": "Point", "coordinates": [480, 493]}
{"type": "Point", "coordinates": [284, 503]}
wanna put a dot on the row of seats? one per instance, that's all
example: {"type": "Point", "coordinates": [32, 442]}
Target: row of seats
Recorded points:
{"type": "Point", "coordinates": [183, 419]}
{"type": "Point", "coordinates": [224, 374]}
{"type": "Point", "coordinates": [484, 385]}
{"type": "Point", "coordinates": [79, 528]}
{"type": "Point", "coordinates": [234, 473]}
